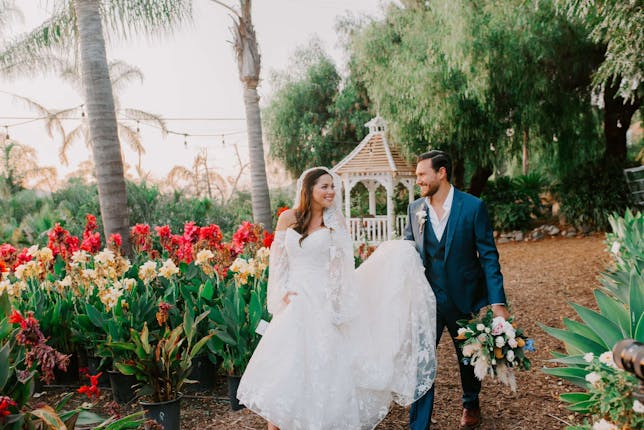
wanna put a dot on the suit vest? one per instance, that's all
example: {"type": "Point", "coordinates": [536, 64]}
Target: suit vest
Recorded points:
{"type": "Point", "coordinates": [435, 268]}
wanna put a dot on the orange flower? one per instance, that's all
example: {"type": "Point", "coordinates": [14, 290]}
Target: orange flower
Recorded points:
{"type": "Point", "coordinates": [498, 353]}
{"type": "Point", "coordinates": [520, 342]}
{"type": "Point", "coordinates": [461, 336]}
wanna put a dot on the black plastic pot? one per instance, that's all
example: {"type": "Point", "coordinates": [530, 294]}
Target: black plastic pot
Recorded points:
{"type": "Point", "coordinates": [168, 413]}
{"type": "Point", "coordinates": [233, 384]}
{"type": "Point", "coordinates": [122, 391]}
{"type": "Point", "coordinates": [203, 371]}
{"type": "Point", "coordinates": [94, 366]}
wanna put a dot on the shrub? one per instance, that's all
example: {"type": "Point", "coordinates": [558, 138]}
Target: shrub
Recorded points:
{"type": "Point", "coordinates": [514, 203]}
{"type": "Point", "coordinates": [589, 195]}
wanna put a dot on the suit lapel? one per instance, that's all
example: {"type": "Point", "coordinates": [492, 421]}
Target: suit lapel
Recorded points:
{"type": "Point", "coordinates": [455, 213]}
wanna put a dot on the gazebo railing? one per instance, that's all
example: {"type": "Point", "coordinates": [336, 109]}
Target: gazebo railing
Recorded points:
{"type": "Point", "coordinates": [375, 230]}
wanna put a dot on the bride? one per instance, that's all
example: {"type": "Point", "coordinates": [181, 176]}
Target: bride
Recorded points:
{"type": "Point", "coordinates": [342, 343]}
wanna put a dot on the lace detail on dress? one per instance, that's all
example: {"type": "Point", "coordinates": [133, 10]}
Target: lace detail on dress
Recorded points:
{"type": "Point", "coordinates": [341, 286]}
{"type": "Point", "coordinates": [277, 274]}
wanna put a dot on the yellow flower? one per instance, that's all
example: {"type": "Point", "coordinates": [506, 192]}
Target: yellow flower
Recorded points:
{"type": "Point", "coordinates": [45, 255]}
{"type": "Point", "coordinates": [110, 296]}
{"type": "Point", "coordinates": [168, 269]}
{"type": "Point", "coordinates": [148, 271]}
{"type": "Point", "coordinates": [203, 257]}
{"type": "Point", "coordinates": [129, 283]}
{"type": "Point", "coordinates": [80, 257]}
{"type": "Point", "coordinates": [104, 257]}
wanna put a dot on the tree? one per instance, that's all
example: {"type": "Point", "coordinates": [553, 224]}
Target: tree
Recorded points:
{"type": "Point", "coordinates": [19, 169]}
{"type": "Point", "coordinates": [84, 24]}
{"type": "Point", "coordinates": [616, 25]}
{"type": "Point", "coordinates": [312, 119]}
{"type": "Point", "coordinates": [249, 65]}
{"type": "Point", "coordinates": [482, 80]}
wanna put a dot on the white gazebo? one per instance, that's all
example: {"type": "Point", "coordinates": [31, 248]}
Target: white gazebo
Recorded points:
{"type": "Point", "coordinates": [373, 163]}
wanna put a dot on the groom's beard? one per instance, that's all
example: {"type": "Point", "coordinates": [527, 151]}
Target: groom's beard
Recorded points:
{"type": "Point", "coordinates": [430, 190]}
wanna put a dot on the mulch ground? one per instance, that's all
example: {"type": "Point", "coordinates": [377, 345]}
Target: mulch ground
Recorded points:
{"type": "Point", "coordinates": [540, 279]}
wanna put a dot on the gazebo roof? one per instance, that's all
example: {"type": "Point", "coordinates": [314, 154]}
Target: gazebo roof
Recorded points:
{"type": "Point", "coordinates": [375, 155]}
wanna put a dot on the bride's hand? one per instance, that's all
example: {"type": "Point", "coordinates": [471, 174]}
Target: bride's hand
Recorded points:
{"type": "Point", "coordinates": [287, 297]}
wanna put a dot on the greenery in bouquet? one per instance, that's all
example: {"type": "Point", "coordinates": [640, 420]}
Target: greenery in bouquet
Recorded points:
{"type": "Point", "coordinates": [494, 347]}
{"type": "Point", "coordinates": [162, 362]}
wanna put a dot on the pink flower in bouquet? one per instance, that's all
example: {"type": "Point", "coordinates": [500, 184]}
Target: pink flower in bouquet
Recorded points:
{"type": "Point", "coordinates": [498, 325]}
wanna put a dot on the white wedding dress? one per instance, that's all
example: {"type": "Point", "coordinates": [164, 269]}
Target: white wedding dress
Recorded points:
{"type": "Point", "coordinates": [350, 341]}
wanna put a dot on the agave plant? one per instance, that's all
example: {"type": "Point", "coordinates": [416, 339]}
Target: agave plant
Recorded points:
{"type": "Point", "coordinates": [620, 300]}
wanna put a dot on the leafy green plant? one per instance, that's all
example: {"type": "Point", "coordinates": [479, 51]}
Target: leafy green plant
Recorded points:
{"type": "Point", "coordinates": [514, 203]}
{"type": "Point", "coordinates": [162, 363]}
{"type": "Point", "coordinates": [621, 316]}
{"type": "Point", "coordinates": [241, 306]}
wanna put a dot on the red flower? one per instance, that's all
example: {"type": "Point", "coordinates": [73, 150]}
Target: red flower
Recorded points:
{"type": "Point", "coordinates": [115, 240]}
{"type": "Point", "coordinates": [190, 232]}
{"type": "Point", "coordinates": [268, 239]}
{"type": "Point", "coordinates": [163, 231]}
{"type": "Point", "coordinates": [23, 257]}
{"type": "Point", "coordinates": [83, 371]}
{"type": "Point", "coordinates": [282, 209]}
{"type": "Point", "coordinates": [3, 267]}
{"type": "Point", "coordinates": [5, 403]}
{"type": "Point", "coordinates": [17, 318]}
{"type": "Point", "coordinates": [91, 243]}
{"type": "Point", "coordinates": [62, 243]}
{"type": "Point", "coordinates": [6, 251]}
{"type": "Point", "coordinates": [141, 239]}
{"type": "Point", "coordinates": [92, 389]}
{"type": "Point", "coordinates": [212, 235]}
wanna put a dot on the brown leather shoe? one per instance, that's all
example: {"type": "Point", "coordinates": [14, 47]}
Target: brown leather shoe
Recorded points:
{"type": "Point", "coordinates": [471, 419]}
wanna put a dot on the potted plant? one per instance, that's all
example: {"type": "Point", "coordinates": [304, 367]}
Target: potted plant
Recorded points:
{"type": "Point", "coordinates": [236, 315]}
{"type": "Point", "coordinates": [161, 364]}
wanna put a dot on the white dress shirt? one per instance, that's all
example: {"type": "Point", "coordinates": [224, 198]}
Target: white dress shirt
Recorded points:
{"type": "Point", "coordinates": [439, 224]}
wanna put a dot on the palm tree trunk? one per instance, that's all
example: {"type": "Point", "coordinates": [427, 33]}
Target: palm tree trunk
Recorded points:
{"type": "Point", "coordinates": [259, 184]}
{"type": "Point", "coordinates": [103, 131]}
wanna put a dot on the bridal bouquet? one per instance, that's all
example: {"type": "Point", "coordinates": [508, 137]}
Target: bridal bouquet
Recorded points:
{"type": "Point", "coordinates": [495, 347]}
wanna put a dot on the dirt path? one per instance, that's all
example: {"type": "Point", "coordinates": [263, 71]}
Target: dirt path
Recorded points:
{"type": "Point", "coordinates": [540, 278]}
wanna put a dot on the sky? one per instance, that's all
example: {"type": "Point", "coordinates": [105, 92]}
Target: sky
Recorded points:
{"type": "Point", "coordinates": [190, 73]}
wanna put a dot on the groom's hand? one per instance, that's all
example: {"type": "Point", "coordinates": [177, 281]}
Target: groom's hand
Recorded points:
{"type": "Point", "coordinates": [500, 311]}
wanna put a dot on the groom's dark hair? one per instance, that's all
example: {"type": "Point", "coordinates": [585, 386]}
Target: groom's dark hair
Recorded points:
{"type": "Point", "coordinates": [439, 159]}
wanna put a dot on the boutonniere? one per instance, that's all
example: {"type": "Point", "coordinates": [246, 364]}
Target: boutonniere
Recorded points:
{"type": "Point", "coordinates": [421, 217]}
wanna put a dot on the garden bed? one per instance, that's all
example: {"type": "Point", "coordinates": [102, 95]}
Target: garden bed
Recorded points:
{"type": "Point", "coordinates": [540, 279]}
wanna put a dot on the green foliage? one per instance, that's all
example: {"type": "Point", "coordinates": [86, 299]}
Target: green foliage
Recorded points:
{"type": "Point", "coordinates": [514, 203]}
{"type": "Point", "coordinates": [590, 194]}
{"type": "Point", "coordinates": [618, 25]}
{"type": "Point", "coordinates": [621, 316]}
{"type": "Point", "coordinates": [312, 120]}
{"type": "Point", "coordinates": [235, 317]}
{"type": "Point", "coordinates": [162, 363]}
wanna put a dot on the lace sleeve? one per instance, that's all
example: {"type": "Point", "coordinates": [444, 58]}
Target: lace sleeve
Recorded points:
{"type": "Point", "coordinates": [341, 289]}
{"type": "Point", "coordinates": [277, 274]}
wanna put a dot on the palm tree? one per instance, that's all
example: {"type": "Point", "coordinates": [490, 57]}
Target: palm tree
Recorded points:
{"type": "Point", "coordinates": [201, 181]}
{"type": "Point", "coordinates": [249, 65]}
{"type": "Point", "coordinates": [84, 23]}
{"type": "Point", "coordinates": [20, 170]}
{"type": "Point", "coordinates": [120, 74]}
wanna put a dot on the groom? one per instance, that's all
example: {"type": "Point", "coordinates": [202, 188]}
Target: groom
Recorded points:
{"type": "Point", "coordinates": [453, 235]}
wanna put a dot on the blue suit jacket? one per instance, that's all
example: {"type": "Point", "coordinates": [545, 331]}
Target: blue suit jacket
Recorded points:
{"type": "Point", "coordinates": [472, 265]}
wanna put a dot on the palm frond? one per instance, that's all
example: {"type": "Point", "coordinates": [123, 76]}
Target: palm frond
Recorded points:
{"type": "Point", "coordinates": [122, 73]}
{"type": "Point", "coordinates": [78, 133]}
{"type": "Point", "coordinates": [131, 138]}
{"type": "Point", "coordinates": [9, 13]}
{"type": "Point", "coordinates": [139, 115]}
{"type": "Point", "coordinates": [31, 52]}
{"type": "Point", "coordinates": [127, 18]}
{"type": "Point", "coordinates": [52, 120]}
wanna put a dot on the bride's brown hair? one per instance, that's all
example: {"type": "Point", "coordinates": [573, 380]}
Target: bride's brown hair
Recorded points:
{"type": "Point", "coordinates": [303, 211]}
